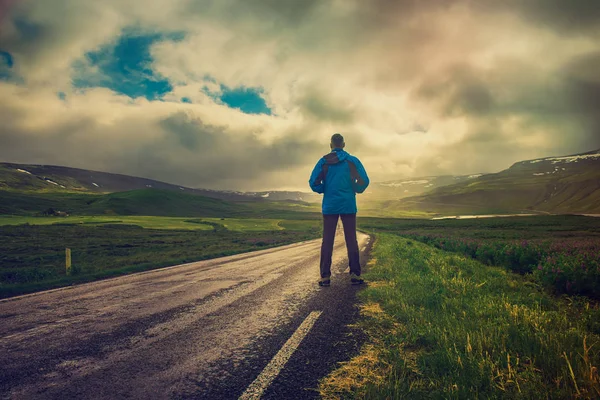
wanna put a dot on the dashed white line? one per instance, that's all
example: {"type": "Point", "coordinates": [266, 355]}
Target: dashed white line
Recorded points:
{"type": "Point", "coordinates": [262, 382]}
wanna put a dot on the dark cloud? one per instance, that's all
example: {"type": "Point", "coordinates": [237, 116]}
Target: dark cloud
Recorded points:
{"type": "Point", "coordinates": [582, 74]}
{"type": "Point", "coordinates": [47, 145]}
{"type": "Point", "coordinates": [582, 78]}
{"type": "Point", "coordinates": [184, 151]}
{"type": "Point", "coordinates": [274, 14]}
{"type": "Point", "coordinates": [457, 91]}
{"type": "Point", "coordinates": [314, 103]}
{"type": "Point", "coordinates": [553, 99]}
{"type": "Point", "coordinates": [513, 111]}
{"type": "Point", "coordinates": [200, 154]}
{"type": "Point", "coordinates": [573, 16]}
{"type": "Point", "coordinates": [193, 134]}
{"type": "Point", "coordinates": [28, 38]}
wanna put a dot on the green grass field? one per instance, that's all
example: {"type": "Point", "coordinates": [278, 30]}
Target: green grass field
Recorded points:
{"type": "Point", "coordinates": [535, 227]}
{"type": "Point", "coordinates": [32, 249]}
{"type": "Point", "coordinates": [441, 325]}
{"type": "Point", "coordinates": [150, 222]}
{"type": "Point", "coordinates": [561, 252]}
{"type": "Point", "coordinates": [144, 202]}
{"type": "Point", "coordinates": [153, 222]}
{"type": "Point", "coordinates": [117, 233]}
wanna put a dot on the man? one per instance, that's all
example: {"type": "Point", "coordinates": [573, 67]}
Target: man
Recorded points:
{"type": "Point", "coordinates": [339, 176]}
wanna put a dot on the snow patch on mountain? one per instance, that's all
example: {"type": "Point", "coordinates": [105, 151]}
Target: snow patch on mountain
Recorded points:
{"type": "Point", "coordinates": [567, 159]}
{"type": "Point", "coordinates": [398, 184]}
{"type": "Point", "coordinates": [24, 171]}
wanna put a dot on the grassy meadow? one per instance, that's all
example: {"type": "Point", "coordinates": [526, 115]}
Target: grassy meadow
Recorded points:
{"type": "Point", "coordinates": [153, 222]}
{"type": "Point", "coordinates": [442, 325]}
{"type": "Point", "coordinates": [562, 252]}
{"type": "Point", "coordinates": [32, 249]}
{"type": "Point", "coordinates": [144, 202]}
{"type": "Point", "coordinates": [117, 233]}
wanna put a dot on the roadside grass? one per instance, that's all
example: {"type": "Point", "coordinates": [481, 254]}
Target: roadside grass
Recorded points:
{"type": "Point", "coordinates": [246, 224]}
{"type": "Point", "coordinates": [383, 209]}
{"type": "Point", "coordinates": [150, 222]}
{"type": "Point", "coordinates": [301, 225]}
{"type": "Point", "coordinates": [441, 325]}
{"type": "Point", "coordinates": [155, 222]}
{"type": "Point", "coordinates": [32, 257]}
{"type": "Point", "coordinates": [562, 252]}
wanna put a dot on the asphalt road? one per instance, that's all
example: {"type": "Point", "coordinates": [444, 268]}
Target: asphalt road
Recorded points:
{"type": "Point", "coordinates": [199, 330]}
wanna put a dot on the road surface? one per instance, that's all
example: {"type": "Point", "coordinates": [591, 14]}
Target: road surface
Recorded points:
{"type": "Point", "coordinates": [213, 329]}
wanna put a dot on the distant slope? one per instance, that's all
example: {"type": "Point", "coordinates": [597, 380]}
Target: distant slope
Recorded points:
{"type": "Point", "coordinates": [135, 202]}
{"type": "Point", "coordinates": [49, 178]}
{"type": "Point", "coordinates": [145, 202]}
{"type": "Point", "coordinates": [401, 188]}
{"type": "Point", "coordinates": [282, 195]}
{"type": "Point", "coordinates": [164, 203]}
{"type": "Point", "coordinates": [566, 184]}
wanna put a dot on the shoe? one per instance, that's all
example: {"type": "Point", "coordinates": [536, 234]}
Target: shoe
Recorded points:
{"type": "Point", "coordinates": [324, 282]}
{"type": "Point", "coordinates": [356, 280]}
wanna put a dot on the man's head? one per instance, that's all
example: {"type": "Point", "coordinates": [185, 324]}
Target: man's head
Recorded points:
{"type": "Point", "coordinates": [337, 141]}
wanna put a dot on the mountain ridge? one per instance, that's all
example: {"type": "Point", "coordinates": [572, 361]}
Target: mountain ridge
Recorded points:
{"type": "Point", "coordinates": [561, 184]}
{"type": "Point", "coordinates": [557, 184]}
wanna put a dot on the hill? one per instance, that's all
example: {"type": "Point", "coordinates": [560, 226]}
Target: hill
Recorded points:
{"type": "Point", "coordinates": [145, 202]}
{"type": "Point", "coordinates": [51, 178]}
{"type": "Point", "coordinates": [408, 187]}
{"type": "Point", "coordinates": [135, 202]}
{"type": "Point", "coordinates": [564, 184]}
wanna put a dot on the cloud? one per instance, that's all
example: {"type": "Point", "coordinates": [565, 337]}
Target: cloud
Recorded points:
{"type": "Point", "coordinates": [238, 94]}
{"type": "Point", "coordinates": [313, 103]}
{"type": "Point", "coordinates": [145, 139]}
{"type": "Point", "coordinates": [574, 17]}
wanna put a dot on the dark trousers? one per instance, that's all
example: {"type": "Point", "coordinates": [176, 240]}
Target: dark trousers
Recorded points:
{"type": "Point", "coordinates": [329, 227]}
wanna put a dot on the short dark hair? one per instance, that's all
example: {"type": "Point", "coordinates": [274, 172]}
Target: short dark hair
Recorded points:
{"type": "Point", "coordinates": [337, 139]}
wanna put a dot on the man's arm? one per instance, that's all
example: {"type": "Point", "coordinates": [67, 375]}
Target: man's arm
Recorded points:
{"type": "Point", "coordinates": [362, 183]}
{"type": "Point", "coordinates": [316, 179]}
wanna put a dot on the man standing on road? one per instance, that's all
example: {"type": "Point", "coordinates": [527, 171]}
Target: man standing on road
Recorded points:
{"type": "Point", "coordinates": [339, 176]}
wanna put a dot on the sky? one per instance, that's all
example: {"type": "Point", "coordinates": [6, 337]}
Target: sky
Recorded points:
{"type": "Point", "coordinates": [245, 94]}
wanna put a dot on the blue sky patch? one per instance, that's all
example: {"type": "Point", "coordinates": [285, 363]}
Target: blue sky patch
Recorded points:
{"type": "Point", "coordinates": [6, 59]}
{"type": "Point", "coordinates": [246, 99]}
{"type": "Point", "coordinates": [186, 100]}
{"type": "Point", "coordinates": [61, 95]}
{"type": "Point", "coordinates": [125, 66]}
{"type": "Point", "coordinates": [6, 64]}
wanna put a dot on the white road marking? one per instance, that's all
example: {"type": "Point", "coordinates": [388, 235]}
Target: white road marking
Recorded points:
{"type": "Point", "coordinates": [262, 382]}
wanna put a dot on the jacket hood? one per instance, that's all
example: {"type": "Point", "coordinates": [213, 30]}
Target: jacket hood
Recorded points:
{"type": "Point", "coordinates": [336, 156]}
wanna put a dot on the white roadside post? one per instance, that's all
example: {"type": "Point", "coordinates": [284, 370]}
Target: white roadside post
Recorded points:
{"type": "Point", "coordinates": [68, 261]}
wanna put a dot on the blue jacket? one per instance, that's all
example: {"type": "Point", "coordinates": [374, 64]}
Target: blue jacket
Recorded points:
{"type": "Point", "coordinates": [339, 176]}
